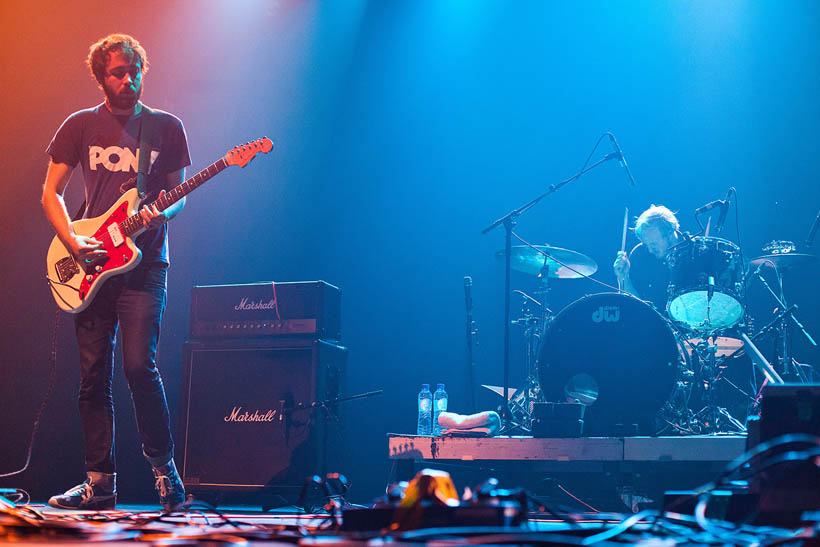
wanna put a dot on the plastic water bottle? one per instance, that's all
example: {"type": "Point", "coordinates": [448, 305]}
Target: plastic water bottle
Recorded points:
{"type": "Point", "coordinates": [439, 406]}
{"type": "Point", "coordinates": [425, 426]}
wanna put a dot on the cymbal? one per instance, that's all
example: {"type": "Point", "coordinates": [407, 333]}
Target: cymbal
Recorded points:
{"type": "Point", "coordinates": [784, 260]}
{"type": "Point", "coordinates": [530, 261]}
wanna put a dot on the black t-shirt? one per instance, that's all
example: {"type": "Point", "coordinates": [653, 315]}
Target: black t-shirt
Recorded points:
{"type": "Point", "coordinates": [649, 275]}
{"type": "Point", "coordinates": [107, 147]}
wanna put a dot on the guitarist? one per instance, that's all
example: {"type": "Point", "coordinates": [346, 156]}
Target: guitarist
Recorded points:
{"type": "Point", "coordinates": [105, 141]}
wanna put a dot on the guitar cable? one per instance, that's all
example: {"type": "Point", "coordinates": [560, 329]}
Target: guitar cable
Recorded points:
{"type": "Point", "coordinates": [51, 282]}
{"type": "Point", "coordinates": [51, 381]}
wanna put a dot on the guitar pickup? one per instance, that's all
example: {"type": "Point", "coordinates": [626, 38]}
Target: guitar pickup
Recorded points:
{"type": "Point", "coordinates": [116, 234]}
{"type": "Point", "coordinates": [66, 269]}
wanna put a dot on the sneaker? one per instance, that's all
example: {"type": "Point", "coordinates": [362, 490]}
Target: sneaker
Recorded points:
{"type": "Point", "coordinates": [169, 485]}
{"type": "Point", "coordinates": [98, 492]}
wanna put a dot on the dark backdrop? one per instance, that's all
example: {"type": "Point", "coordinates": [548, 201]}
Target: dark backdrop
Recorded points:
{"type": "Point", "coordinates": [402, 128]}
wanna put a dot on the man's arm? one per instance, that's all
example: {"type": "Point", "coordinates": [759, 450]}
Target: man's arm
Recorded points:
{"type": "Point", "coordinates": [621, 268]}
{"type": "Point", "coordinates": [173, 180]}
{"type": "Point", "coordinates": [151, 216]}
{"type": "Point", "coordinates": [57, 178]}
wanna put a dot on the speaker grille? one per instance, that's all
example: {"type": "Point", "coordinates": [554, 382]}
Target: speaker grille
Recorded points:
{"type": "Point", "coordinates": [246, 420]}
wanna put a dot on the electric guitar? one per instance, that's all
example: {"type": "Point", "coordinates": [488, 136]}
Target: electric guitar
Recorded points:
{"type": "Point", "coordinates": [74, 283]}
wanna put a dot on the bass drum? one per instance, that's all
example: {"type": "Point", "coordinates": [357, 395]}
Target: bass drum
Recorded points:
{"type": "Point", "coordinates": [615, 354]}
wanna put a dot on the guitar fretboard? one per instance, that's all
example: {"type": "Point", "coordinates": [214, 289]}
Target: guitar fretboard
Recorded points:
{"type": "Point", "coordinates": [133, 224]}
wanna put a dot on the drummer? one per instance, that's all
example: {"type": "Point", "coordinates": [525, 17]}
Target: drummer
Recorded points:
{"type": "Point", "coordinates": [643, 272]}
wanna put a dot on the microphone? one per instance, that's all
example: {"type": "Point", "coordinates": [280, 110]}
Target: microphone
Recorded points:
{"type": "Point", "coordinates": [710, 289]}
{"type": "Point", "coordinates": [813, 231]}
{"type": "Point", "coordinates": [711, 205]}
{"type": "Point", "coordinates": [621, 159]}
{"type": "Point", "coordinates": [724, 208]}
{"type": "Point", "coordinates": [468, 292]}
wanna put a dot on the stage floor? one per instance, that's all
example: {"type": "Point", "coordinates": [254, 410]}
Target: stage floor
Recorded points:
{"type": "Point", "coordinates": [37, 524]}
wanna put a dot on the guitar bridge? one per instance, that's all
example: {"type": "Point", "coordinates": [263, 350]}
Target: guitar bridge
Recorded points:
{"type": "Point", "coordinates": [66, 269]}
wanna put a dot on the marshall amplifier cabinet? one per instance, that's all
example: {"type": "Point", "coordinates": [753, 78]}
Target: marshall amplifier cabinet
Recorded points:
{"type": "Point", "coordinates": [307, 309]}
{"type": "Point", "coordinates": [258, 416]}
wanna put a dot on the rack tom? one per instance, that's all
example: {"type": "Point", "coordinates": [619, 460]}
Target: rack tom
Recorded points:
{"type": "Point", "coordinates": [706, 284]}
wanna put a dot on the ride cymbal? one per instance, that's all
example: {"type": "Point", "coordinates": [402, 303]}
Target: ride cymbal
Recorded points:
{"type": "Point", "coordinates": [560, 263]}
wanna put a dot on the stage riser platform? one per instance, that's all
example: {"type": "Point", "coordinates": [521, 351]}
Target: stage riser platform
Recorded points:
{"type": "Point", "coordinates": [605, 471]}
{"type": "Point", "coordinates": [701, 448]}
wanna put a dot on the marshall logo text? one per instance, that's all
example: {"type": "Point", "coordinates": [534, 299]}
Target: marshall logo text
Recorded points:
{"type": "Point", "coordinates": [246, 304]}
{"type": "Point", "coordinates": [237, 415]}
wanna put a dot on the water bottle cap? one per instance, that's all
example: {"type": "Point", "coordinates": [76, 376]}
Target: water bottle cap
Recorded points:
{"type": "Point", "coordinates": [440, 386]}
{"type": "Point", "coordinates": [425, 387]}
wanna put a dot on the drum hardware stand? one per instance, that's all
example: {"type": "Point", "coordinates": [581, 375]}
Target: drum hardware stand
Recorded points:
{"type": "Point", "coordinates": [788, 368]}
{"type": "Point", "coordinates": [522, 400]}
{"type": "Point", "coordinates": [509, 221]}
{"type": "Point", "coordinates": [712, 418]}
{"type": "Point", "coordinates": [717, 418]}
{"type": "Point", "coordinates": [768, 370]}
{"type": "Point", "coordinates": [759, 360]}
{"type": "Point", "coordinates": [534, 394]}
{"type": "Point", "coordinates": [676, 412]}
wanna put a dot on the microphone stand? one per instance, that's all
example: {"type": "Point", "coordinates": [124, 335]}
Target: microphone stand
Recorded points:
{"type": "Point", "coordinates": [471, 331]}
{"type": "Point", "coordinates": [326, 407]}
{"type": "Point", "coordinates": [509, 221]}
{"type": "Point", "coordinates": [784, 342]}
{"type": "Point", "coordinates": [813, 230]}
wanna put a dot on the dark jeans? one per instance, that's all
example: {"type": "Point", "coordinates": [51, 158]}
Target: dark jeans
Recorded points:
{"type": "Point", "coordinates": [134, 301]}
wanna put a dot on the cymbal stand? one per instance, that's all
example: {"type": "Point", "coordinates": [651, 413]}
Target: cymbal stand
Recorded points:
{"type": "Point", "coordinates": [509, 221]}
{"type": "Point", "coordinates": [543, 292]}
{"type": "Point", "coordinates": [521, 402]}
{"type": "Point", "coordinates": [790, 370]}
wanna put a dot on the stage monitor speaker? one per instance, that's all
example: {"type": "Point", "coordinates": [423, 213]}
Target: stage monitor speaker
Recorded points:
{"type": "Point", "coordinates": [251, 417]}
{"type": "Point", "coordinates": [557, 420]}
{"type": "Point", "coordinates": [787, 486]}
{"type": "Point", "coordinates": [789, 408]}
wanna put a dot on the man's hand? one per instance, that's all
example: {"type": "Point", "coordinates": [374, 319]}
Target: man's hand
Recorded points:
{"type": "Point", "coordinates": [152, 217]}
{"type": "Point", "coordinates": [621, 267]}
{"type": "Point", "coordinates": [86, 248]}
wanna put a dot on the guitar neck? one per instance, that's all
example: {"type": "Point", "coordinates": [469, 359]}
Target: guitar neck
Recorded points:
{"type": "Point", "coordinates": [133, 224]}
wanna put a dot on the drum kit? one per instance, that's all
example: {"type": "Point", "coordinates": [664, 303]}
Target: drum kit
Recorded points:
{"type": "Point", "coordinates": [691, 368]}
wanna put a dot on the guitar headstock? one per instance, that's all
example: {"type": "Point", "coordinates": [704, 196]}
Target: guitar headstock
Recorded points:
{"type": "Point", "coordinates": [243, 154]}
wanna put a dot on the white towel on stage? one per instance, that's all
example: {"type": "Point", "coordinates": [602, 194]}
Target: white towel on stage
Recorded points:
{"type": "Point", "coordinates": [481, 424]}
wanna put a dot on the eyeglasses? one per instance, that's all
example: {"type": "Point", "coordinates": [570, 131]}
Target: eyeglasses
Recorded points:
{"type": "Point", "coordinates": [119, 73]}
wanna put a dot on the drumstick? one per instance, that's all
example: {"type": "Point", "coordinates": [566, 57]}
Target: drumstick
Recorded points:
{"type": "Point", "coordinates": [623, 239]}
{"type": "Point", "coordinates": [708, 226]}
{"type": "Point", "coordinates": [623, 234]}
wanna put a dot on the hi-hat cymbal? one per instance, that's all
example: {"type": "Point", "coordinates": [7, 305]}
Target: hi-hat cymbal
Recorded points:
{"type": "Point", "coordinates": [561, 263]}
{"type": "Point", "coordinates": [784, 260]}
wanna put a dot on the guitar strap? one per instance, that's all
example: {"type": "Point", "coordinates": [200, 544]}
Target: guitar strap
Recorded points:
{"type": "Point", "coordinates": [146, 131]}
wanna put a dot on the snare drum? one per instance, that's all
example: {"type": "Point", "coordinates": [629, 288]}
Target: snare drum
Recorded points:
{"type": "Point", "coordinates": [706, 288]}
{"type": "Point", "coordinates": [615, 354]}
